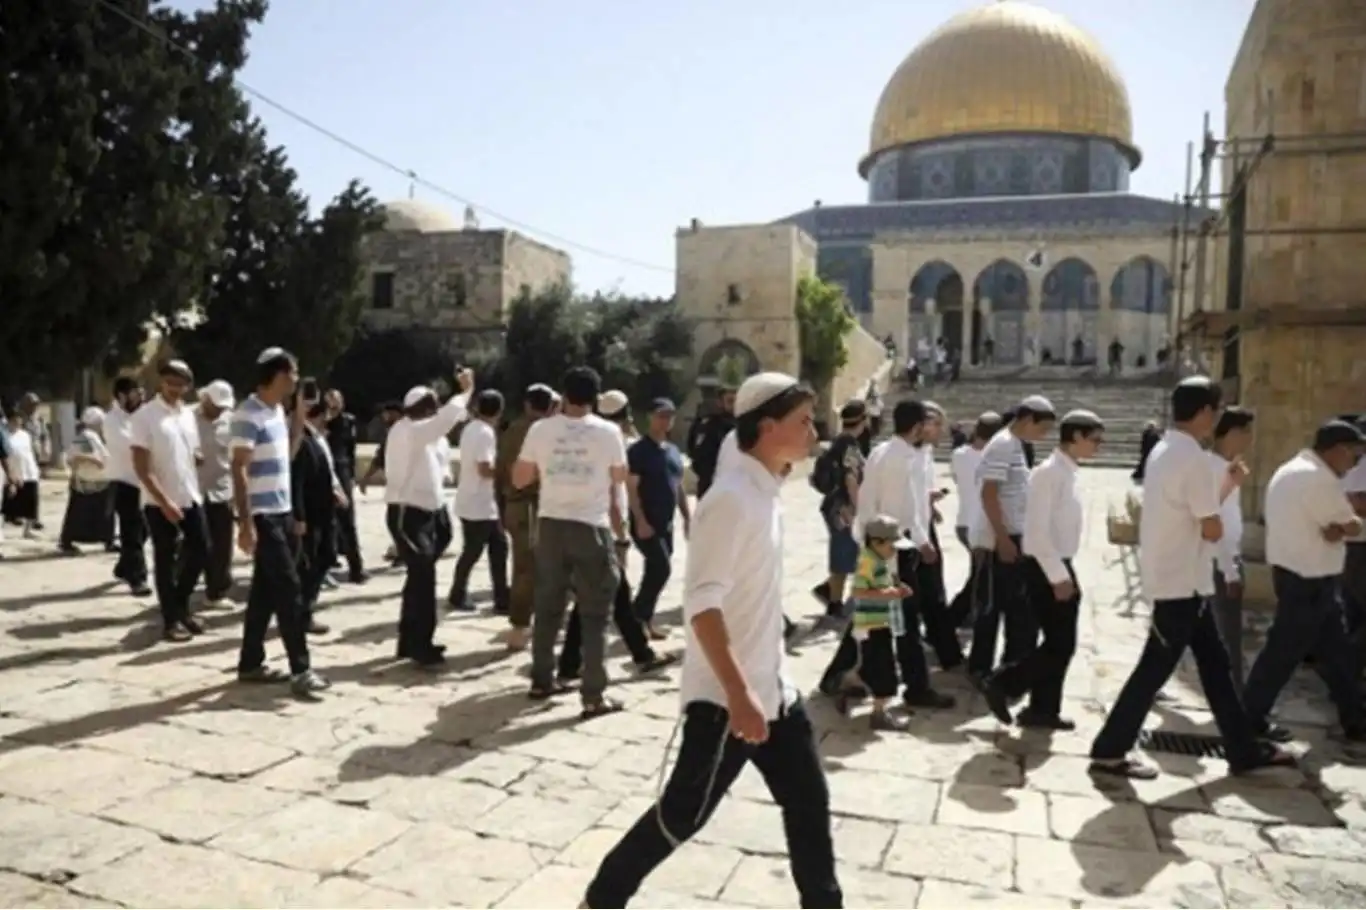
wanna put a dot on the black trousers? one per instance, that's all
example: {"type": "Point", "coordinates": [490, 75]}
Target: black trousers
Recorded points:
{"type": "Point", "coordinates": [709, 761]}
{"type": "Point", "coordinates": [476, 537]}
{"type": "Point", "coordinates": [1176, 626]}
{"type": "Point", "coordinates": [218, 570]}
{"type": "Point", "coordinates": [347, 538]}
{"type": "Point", "coordinates": [1043, 671]}
{"type": "Point", "coordinates": [910, 655]}
{"type": "Point", "coordinates": [629, 627]}
{"type": "Point", "coordinates": [132, 564]}
{"type": "Point", "coordinates": [963, 608]}
{"type": "Point", "coordinates": [316, 552]}
{"type": "Point", "coordinates": [275, 592]}
{"type": "Point", "coordinates": [180, 550]}
{"type": "Point", "coordinates": [415, 537]}
{"type": "Point", "coordinates": [1007, 600]}
{"type": "Point", "coordinates": [932, 604]}
{"type": "Point", "coordinates": [658, 553]}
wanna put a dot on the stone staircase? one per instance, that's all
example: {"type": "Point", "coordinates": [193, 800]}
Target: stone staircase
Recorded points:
{"type": "Point", "coordinates": [1124, 404]}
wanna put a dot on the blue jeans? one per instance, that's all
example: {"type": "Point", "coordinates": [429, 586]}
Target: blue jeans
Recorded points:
{"type": "Point", "coordinates": [844, 549]}
{"type": "Point", "coordinates": [1309, 620]}
{"type": "Point", "coordinates": [1176, 626]}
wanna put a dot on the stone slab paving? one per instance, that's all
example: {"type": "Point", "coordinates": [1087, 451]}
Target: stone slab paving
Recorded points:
{"type": "Point", "coordinates": [135, 773]}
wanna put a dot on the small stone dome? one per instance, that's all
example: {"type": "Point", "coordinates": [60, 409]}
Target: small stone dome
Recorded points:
{"type": "Point", "coordinates": [412, 215]}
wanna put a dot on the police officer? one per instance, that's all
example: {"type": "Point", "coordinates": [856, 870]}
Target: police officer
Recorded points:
{"type": "Point", "coordinates": [342, 435]}
{"type": "Point", "coordinates": [705, 438]}
{"type": "Point", "coordinates": [519, 512]}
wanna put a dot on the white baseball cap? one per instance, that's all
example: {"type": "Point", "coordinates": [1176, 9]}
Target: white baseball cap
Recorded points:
{"type": "Point", "coordinates": [416, 394]}
{"type": "Point", "coordinates": [612, 402]}
{"type": "Point", "coordinates": [219, 393]}
{"type": "Point", "coordinates": [761, 388]}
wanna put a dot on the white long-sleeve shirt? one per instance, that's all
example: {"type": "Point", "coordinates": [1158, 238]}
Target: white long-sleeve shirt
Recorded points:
{"type": "Point", "coordinates": [923, 481]}
{"type": "Point", "coordinates": [1230, 547]}
{"type": "Point", "coordinates": [889, 488]}
{"type": "Point", "coordinates": [414, 466]}
{"type": "Point", "coordinates": [1053, 516]}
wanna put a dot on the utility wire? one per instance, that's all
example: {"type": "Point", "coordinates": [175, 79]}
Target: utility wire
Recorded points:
{"type": "Point", "coordinates": [380, 160]}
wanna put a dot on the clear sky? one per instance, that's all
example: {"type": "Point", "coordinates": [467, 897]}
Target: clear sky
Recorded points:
{"type": "Point", "coordinates": [610, 123]}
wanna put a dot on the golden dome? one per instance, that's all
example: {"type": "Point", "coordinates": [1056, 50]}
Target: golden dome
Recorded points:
{"type": "Point", "coordinates": [1008, 67]}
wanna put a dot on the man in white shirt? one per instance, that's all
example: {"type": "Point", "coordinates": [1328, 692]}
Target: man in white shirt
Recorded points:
{"type": "Point", "coordinates": [1308, 518]}
{"type": "Point", "coordinates": [889, 488]}
{"type": "Point", "coordinates": [1232, 437]}
{"type": "Point", "coordinates": [1051, 540]}
{"type": "Point", "coordinates": [1003, 479]}
{"type": "Point", "coordinates": [1177, 535]}
{"type": "Point", "coordinates": [415, 469]}
{"type": "Point", "coordinates": [738, 703]}
{"type": "Point", "coordinates": [927, 584]}
{"type": "Point", "coordinates": [165, 450]}
{"type": "Point", "coordinates": [580, 461]}
{"type": "Point", "coordinates": [965, 462]}
{"type": "Point", "coordinates": [1354, 569]}
{"type": "Point", "coordinates": [132, 565]}
{"type": "Point", "coordinates": [476, 505]}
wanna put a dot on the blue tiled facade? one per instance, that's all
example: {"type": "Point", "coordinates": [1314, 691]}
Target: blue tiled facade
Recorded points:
{"type": "Point", "coordinates": [998, 166]}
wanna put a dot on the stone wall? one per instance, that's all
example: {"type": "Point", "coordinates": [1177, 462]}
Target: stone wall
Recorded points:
{"type": "Point", "coordinates": [459, 280]}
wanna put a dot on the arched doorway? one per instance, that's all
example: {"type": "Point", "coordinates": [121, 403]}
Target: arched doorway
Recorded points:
{"type": "Point", "coordinates": [1070, 309]}
{"type": "Point", "coordinates": [939, 282]}
{"type": "Point", "coordinates": [727, 363]}
{"type": "Point", "coordinates": [1140, 306]}
{"type": "Point", "coordinates": [1000, 297]}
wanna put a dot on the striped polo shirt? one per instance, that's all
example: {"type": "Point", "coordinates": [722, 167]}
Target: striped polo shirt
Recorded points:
{"type": "Point", "coordinates": [262, 429]}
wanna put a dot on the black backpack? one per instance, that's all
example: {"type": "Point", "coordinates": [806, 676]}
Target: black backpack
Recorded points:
{"type": "Point", "coordinates": [825, 473]}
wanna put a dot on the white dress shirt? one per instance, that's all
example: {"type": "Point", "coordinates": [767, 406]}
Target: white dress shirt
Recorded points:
{"type": "Point", "coordinates": [1228, 552]}
{"type": "Point", "coordinates": [922, 479]}
{"type": "Point", "coordinates": [1053, 516]}
{"type": "Point", "coordinates": [735, 565]}
{"type": "Point", "coordinates": [1303, 497]}
{"type": "Point", "coordinates": [169, 435]}
{"type": "Point", "coordinates": [1179, 492]}
{"type": "Point", "coordinates": [728, 456]}
{"type": "Point", "coordinates": [889, 488]}
{"type": "Point", "coordinates": [965, 463]}
{"type": "Point", "coordinates": [117, 426]}
{"type": "Point", "coordinates": [413, 469]}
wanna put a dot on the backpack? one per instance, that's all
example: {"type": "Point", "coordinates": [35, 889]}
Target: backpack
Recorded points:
{"type": "Point", "coordinates": [825, 473]}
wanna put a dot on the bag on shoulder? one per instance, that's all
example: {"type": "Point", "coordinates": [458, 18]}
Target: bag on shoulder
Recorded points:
{"type": "Point", "coordinates": [825, 473]}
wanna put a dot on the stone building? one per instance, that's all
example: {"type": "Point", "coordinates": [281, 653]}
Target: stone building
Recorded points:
{"type": "Point", "coordinates": [998, 199]}
{"type": "Point", "coordinates": [1285, 323]}
{"type": "Point", "coordinates": [428, 270]}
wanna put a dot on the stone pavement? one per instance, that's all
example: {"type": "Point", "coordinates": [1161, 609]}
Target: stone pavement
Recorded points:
{"type": "Point", "coordinates": [136, 773]}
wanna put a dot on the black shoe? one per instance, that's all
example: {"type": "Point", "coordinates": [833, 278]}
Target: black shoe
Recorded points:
{"type": "Point", "coordinates": [822, 594]}
{"type": "Point", "coordinates": [930, 699]}
{"type": "Point", "coordinates": [997, 701]}
{"type": "Point", "coordinates": [406, 652]}
{"type": "Point", "coordinates": [566, 675]}
{"type": "Point", "coordinates": [194, 626]}
{"type": "Point", "coordinates": [68, 549]}
{"type": "Point", "coordinates": [460, 606]}
{"type": "Point", "coordinates": [359, 578]}
{"type": "Point", "coordinates": [657, 662]}
{"type": "Point", "coordinates": [790, 629]}
{"type": "Point", "coordinates": [139, 589]}
{"type": "Point", "coordinates": [1275, 733]}
{"type": "Point", "coordinates": [317, 628]}
{"type": "Point", "coordinates": [1035, 721]}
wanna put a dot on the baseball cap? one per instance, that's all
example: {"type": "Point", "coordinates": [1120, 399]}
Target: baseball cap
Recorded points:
{"type": "Point", "coordinates": [1337, 433]}
{"type": "Point", "coordinates": [613, 402]}
{"type": "Point", "coordinates": [416, 394]}
{"type": "Point", "coordinates": [663, 406]}
{"type": "Point", "coordinates": [761, 388]}
{"type": "Point", "coordinates": [219, 394]}
{"type": "Point", "coordinates": [884, 527]}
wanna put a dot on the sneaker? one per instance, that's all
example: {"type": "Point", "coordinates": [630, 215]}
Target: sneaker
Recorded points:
{"type": "Point", "coordinates": [308, 684]}
{"type": "Point", "coordinates": [329, 583]}
{"type": "Point", "coordinates": [886, 722]}
{"type": "Point", "coordinates": [176, 632]}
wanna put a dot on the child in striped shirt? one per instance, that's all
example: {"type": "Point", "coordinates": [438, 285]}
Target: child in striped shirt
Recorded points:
{"type": "Point", "coordinates": [877, 621]}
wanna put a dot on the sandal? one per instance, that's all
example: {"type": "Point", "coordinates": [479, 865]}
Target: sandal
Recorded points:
{"type": "Point", "coordinates": [543, 693]}
{"type": "Point", "coordinates": [1125, 768]}
{"type": "Point", "coordinates": [601, 709]}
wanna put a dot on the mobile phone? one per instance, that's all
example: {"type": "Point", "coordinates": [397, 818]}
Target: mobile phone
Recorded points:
{"type": "Point", "coordinates": [308, 389]}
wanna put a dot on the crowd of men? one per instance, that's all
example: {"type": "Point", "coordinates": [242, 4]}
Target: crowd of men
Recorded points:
{"type": "Point", "coordinates": [566, 490]}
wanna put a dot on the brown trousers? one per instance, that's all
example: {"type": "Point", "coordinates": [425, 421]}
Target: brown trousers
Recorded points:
{"type": "Point", "coordinates": [520, 520]}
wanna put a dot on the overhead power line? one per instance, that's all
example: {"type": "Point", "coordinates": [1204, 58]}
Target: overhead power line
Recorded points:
{"type": "Point", "coordinates": [380, 160]}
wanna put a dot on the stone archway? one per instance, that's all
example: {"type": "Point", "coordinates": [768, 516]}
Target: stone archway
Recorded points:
{"type": "Point", "coordinates": [939, 282]}
{"type": "Point", "coordinates": [1070, 310]}
{"type": "Point", "coordinates": [1140, 304]}
{"type": "Point", "coordinates": [1000, 294]}
{"type": "Point", "coordinates": [727, 363]}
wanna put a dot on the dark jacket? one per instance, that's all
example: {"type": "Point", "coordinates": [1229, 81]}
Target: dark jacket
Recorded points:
{"type": "Point", "coordinates": [706, 448]}
{"type": "Point", "coordinates": [342, 435]}
{"type": "Point", "coordinates": [315, 501]}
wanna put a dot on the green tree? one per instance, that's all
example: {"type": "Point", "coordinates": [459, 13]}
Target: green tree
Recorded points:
{"type": "Point", "coordinates": [281, 277]}
{"type": "Point", "coordinates": [381, 366]}
{"type": "Point", "coordinates": [824, 322]}
{"type": "Point", "coordinates": [111, 139]}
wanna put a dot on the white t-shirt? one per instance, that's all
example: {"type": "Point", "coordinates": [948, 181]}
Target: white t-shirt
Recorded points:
{"type": "Point", "coordinates": [474, 494]}
{"type": "Point", "coordinates": [574, 457]}
{"type": "Point", "coordinates": [171, 439]}
{"type": "Point", "coordinates": [1003, 463]}
{"type": "Point", "coordinates": [23, 458]}
{"type": "Point", "coordinates": [1353, 483]}
{"type": "Point", "coordinates": [966, 460]}
{"type": "Point", "coordinates": [1302, 498]}
{"type": "Point", "coordinates": [1179, 491]}
{"type": "Point", "coordinates": [117, 425]}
